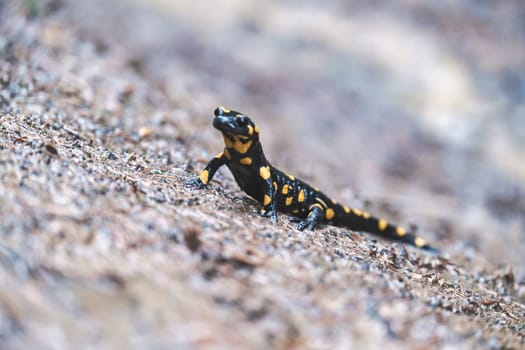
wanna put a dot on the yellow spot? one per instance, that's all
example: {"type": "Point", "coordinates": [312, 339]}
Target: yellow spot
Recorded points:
{"type": "Point", "coordinates": [264, 171]}
{"type": "Point", "coordinates": [204, 177]}
{"type": "Point", "coordinates": [400, 232]}
{"type": "Point", "coordinates": [419, 242]}
{"type": "Point", "coordinates": [227, 142]}
{"type": "Point", "coordinates": [267, 199]}
{"type": "Point", "coordinates": [322, 202]}
{"type": "Point", "coordinates": [219, 155]}
{"type": "Point", "coordinates": [329, 214]}
{"type": "Point", "coordinates": [256, 129]}
{"type": "Point", "coordinates": [382, 224]}
{"type": "Point", "coordinates": [285, 189]}
{"type": "Point", "coordinates": [295, 211]}
{"type": "Point", "coordinates": [300, 196]}
{"type": "Point", "coordinates": [290, 177]}
{"type": "Point", "coordinates": [227, 154]}
{"type": "Point", "coordinates": [316, 205]}
{"type": "Point", "coordinates": [288, 200]}
{"type": "Point", "coordinates": [275, 186]}
{"type": "Point", "coordinates": [225, 110]}
{"type": "Point", "coordinates": [334, 201]}
{"type": "Point", "coordinates": [347, 210]}
{"type": "Point", "coordinates": [366, 215]}
{"type": "Point", "coordinates": [246, 161]}
{"type": "Point", "coordinates": [242, 147]}
{"type": "Point", "coordinates": [250, 130]}
{"type": "Point", "coordinates": [357, 212]}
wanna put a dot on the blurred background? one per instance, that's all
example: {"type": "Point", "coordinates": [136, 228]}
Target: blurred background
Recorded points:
{"type": "Point", "coordinates": [403, 107]}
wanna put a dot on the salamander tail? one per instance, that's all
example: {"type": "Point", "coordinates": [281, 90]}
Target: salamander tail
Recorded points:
{"type": "Point", "coordinates": [361, 221]}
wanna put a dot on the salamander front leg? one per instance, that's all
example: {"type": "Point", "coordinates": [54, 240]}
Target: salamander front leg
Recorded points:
{"type": "Point", "coordinates": [313, 219]}
{"type": "Point", "coordinates": [269, 206]}
{"type": "Point", "coordinates": [269, 209]}
{"type": "Point", "coordinates": [207, 174]}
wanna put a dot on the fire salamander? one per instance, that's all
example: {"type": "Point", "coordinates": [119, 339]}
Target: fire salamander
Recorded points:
{"type": "Point", "coordinates": [277, 191]}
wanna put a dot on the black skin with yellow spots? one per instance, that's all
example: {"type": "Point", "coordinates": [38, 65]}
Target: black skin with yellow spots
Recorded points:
{"type": "Point", "coordinates": [277, 191]}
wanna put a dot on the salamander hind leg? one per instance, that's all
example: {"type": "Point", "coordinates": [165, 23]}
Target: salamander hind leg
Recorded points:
{"type": "Point", "coordinates": [272, 214]}
{"type": "Point", "coordinates": [313, 219]}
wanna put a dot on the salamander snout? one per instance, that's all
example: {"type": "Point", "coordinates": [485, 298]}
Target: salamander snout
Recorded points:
{"type": "Point", "coordinates": [233, 122]}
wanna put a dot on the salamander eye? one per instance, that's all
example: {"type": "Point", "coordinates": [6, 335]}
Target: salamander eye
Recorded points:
{"type": "Point", "coordinates": [241, 121]}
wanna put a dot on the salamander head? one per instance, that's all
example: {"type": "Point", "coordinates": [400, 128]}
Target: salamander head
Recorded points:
{"type": "Point", "coordinates": [233, 123]}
